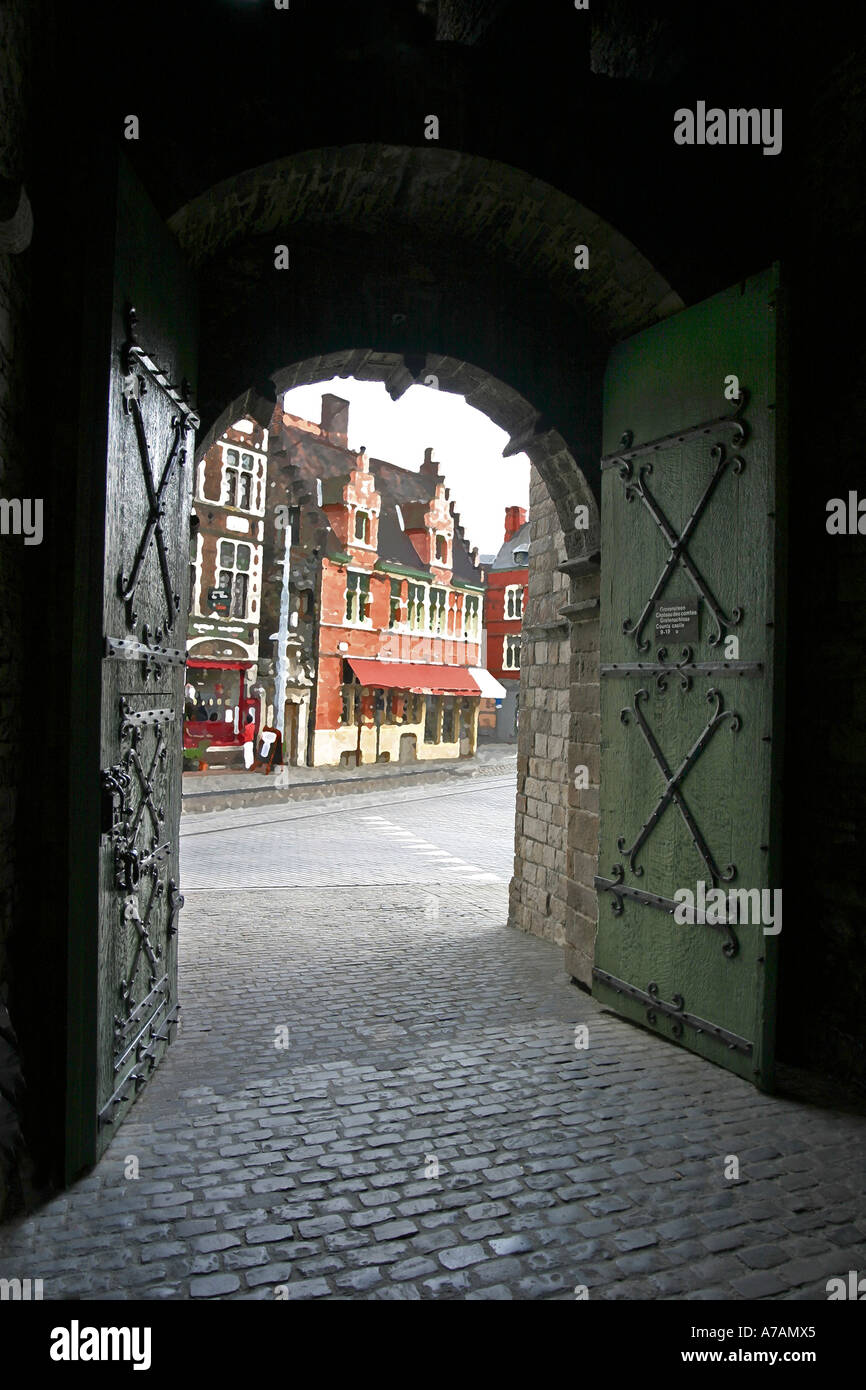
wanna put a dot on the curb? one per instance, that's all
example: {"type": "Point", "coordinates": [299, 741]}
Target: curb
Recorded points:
{"type": "Point", "coordinates": [228, 800]}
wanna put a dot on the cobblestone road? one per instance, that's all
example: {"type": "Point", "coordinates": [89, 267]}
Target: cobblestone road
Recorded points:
{"type": "Point", "coordinates": [429, 1129]}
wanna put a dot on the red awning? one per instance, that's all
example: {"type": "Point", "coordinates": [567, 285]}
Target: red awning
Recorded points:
{"type": "Point", "coordinates": [212, 663]}
{"type": "Point", "coordinates": [414, 676]}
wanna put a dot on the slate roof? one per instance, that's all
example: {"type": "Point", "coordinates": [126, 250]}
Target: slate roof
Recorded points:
{"type": "Point", "coordinates": [309, 457]}
{"type": "Point", "coordinates": [505, 557]}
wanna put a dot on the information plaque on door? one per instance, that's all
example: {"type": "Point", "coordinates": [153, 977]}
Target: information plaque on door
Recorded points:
{"type": "Point", "coordinates": [677, 621]}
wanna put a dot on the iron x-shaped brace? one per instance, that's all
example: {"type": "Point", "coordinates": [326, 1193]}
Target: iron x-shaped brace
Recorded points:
{"type": "Point", "coordinates": [673, 781]}
{"type": "Point", "coordinates": [636, 486]}
{"type": "Point", "coordinates": [142, 925]}
{"type": "Point", "coordinates": [133, 386]}
{"type": "Point", "coordinates": [145, 781]}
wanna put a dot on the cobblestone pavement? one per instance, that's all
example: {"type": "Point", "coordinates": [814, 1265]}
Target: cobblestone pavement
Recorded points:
{"type": "Point", "coordinates": [377, 1095]}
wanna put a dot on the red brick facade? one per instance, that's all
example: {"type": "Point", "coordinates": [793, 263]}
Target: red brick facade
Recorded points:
{"type": "Point", "coordinates": [505, 601]}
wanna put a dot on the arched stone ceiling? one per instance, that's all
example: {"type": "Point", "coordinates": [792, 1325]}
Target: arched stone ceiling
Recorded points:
{"type": "Point", "coordinates": [545, 448]}
{"type": "Point", "coordinates": [496, 210]}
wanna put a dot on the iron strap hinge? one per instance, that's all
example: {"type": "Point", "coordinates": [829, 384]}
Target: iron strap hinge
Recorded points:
{"type": "Point", "coordinates": [675, 1010]}
{"type": "Point", "coordinates": [619, 890]}
{"type": "Point", "coordinates": [625, 453]}
{"type": "Point", "coordinates": [127, 649]}
{"type": "Point", "coordinates": [692, 668]}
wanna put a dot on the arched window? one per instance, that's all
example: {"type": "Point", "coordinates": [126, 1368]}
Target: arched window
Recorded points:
{"type": "Point", "coordinates": [511, 653]}
{"type": "Point", "coordinates": [514, 601]}
{"type": "Point", "coordinates": [362, 527]}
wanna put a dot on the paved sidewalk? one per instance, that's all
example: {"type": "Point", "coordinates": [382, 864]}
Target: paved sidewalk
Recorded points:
{"type": "Point", "coordinates": [212, 791]}
{"type": "Point", "coordinates": [377, 1095]}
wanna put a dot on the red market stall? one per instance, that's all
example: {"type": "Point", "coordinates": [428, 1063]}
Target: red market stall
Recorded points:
{"type": "Point", "coordinates": [208, 724]}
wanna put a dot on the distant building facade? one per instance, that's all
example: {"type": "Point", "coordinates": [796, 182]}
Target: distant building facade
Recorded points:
{"type": "Point", "coordinates": [226, 553]}
{"type": "Point", "coordinates": [372, 603]}
{"type": "Point", "coordinates": [504, 605]}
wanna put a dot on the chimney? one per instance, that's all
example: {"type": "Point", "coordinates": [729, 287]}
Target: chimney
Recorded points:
{"type": "Point", "coordinates": [430, 466]}
{"type": "Point", "coordinates": [335, 419]}
{"type": "Point", "coordinates": [515, 517]}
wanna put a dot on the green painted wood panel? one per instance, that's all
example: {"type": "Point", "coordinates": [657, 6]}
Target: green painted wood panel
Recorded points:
{"type": "Point", "coordinates": [663, 381]}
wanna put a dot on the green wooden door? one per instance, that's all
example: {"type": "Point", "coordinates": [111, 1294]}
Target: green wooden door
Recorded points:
{"type": "Point", "coordinates": [691, 562]}
{"type": "Point", "coordinates": [126, 894]}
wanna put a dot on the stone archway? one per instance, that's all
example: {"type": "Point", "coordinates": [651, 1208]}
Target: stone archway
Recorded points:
{"type": "Point", "coordinates": [465, 270]}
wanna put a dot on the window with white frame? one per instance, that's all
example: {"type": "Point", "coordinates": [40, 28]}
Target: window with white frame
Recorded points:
{"type": "Point", "coordinates": [362, 527]}
{"type": "Point", "coordinates": [358, 598]}
{"type": "Point", "coordinates": [394, 617]}
{"type": "Point", "coordinates": [511, 653]}
{"type": "Point", "coordinates": [233, 576]}
{"type": "Point", "coordinates": [417, 607]}
{"type": "Point", "coordinates": [471, 605]}
{"type": "Point", "coordinates": [437, 611]}
{"type": "Point", "coordinates": [514, 601]}
{"type": "Point", "coordinates": [241, 471]}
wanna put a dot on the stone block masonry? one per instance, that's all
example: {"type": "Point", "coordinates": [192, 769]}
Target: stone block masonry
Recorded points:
{"type": "Point", "coordinates": [556, 827]}
{"type": "Point", "coordinates": [538, 889]}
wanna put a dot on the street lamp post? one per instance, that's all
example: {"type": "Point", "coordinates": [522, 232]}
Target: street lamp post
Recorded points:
{"type": "Point", "coordinates": [282, 638]}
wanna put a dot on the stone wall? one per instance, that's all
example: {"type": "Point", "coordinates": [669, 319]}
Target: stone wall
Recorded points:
{"type": "Point", "coordinates": [556, 825]}
{"type": "Point", "coordinates": [539, 886]}
{"type": "Point", "coordinates": [584, 739]}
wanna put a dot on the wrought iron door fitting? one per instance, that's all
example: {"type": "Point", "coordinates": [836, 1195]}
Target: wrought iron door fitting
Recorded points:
{"type": "Point", "coordinates": [674, 1010]}
{"type": "Point", "coordinates": [148, 907]}
{"type": "Point", "coordinates": [636, 486]}
{"type": "Point", "coordinates": [618, 890]}
{"type": "Point", "coordinates": [672, 792]}
{"type": "Point", "coordinates": [137, 366]}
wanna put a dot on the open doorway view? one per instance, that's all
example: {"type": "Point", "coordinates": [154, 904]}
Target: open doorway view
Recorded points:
{"type": "Point", "coordinates": [338, 596]}
{"type": "Point", "coordinates": [342, 625]}
{"type": "Point", "coordinates": [424, 519]}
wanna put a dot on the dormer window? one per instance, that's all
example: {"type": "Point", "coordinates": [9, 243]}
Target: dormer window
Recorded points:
{"type": "Point", "coordinates": [521, 558]}
{"type": "Point", "coordinates": [362, 527]}
{"type": "Point", "coordinates": [442, 548]}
